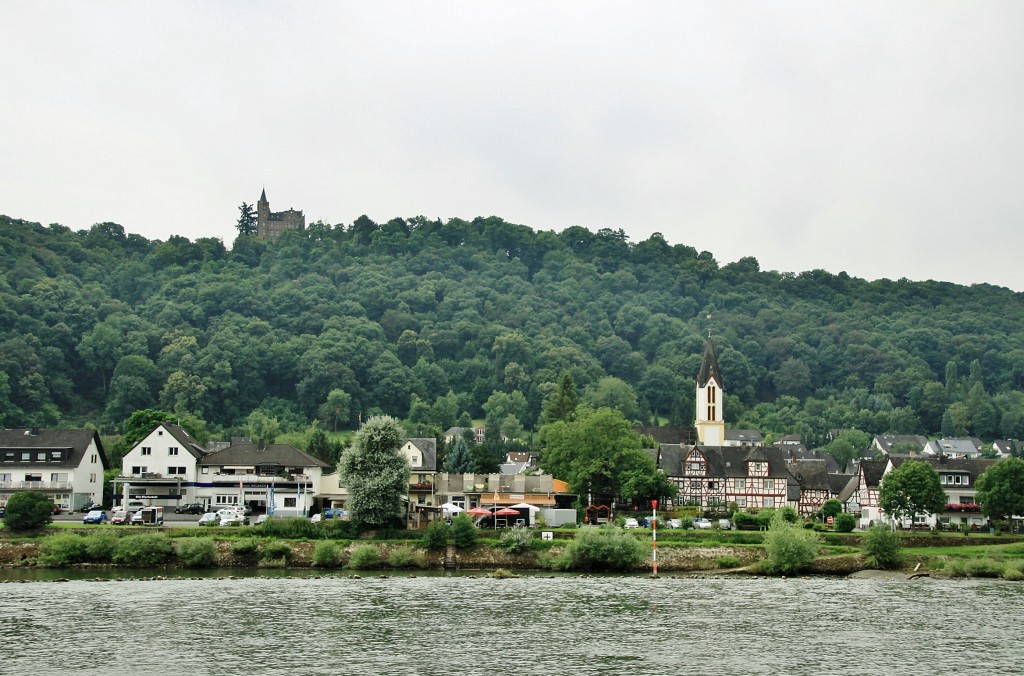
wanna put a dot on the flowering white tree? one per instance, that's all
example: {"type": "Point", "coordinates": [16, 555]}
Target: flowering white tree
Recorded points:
{"type": "Point", "coordinates": [375, 473]}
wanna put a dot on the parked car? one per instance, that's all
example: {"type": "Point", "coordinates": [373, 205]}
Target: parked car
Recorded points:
{"type": "Point", "coordinates": [316, 518]}
{"type": "Point", "coordinates": [631, 523]}
{"type": "Point", "coordinates": [95, 516]}
{"type": "Point", "coordinates": [725, 524]}
{"type": "Point", "coordinates": [209, 519]}
{"type": "Point", "coordinates": [136, 519]}
{"type": "Point", "coordinates": [334, 513]}
{"type": "Point", "coordinates": [263, 518]}
{"type": "Point", "coordinates": [3, 510]}
{"type": "Point", "coordinates": [675, 523]}
{"type": "Point", "coordinates": [90, 506]}
{"type": "Point", "coordinates": [191, 508]}
{"type": "Point", "coordinates": [233, 519]}
{"type": "Point", "coordinates": [119, 518]}
{"type": "Point", "coordinates": [701, 523]}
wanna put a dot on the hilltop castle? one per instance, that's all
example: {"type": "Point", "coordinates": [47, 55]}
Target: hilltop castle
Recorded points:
{"type": "Point", "coordinates": [270, 224]}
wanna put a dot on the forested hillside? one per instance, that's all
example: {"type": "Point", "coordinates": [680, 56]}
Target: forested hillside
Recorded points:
{"type": "Point", "coordinates": [440, 321]}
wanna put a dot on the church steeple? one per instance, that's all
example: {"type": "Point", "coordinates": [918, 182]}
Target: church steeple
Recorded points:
{"type": "Point", "coordinates": [709, 419]}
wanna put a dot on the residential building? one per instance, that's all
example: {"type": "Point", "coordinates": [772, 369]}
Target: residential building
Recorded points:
{"type": "Point", "coordinates": [953, 448]}
{"type": "Point", "coordinates": [66, 465]}
{"type": "Point", "coordinates": [886, 442]}
{"type": "Point", "coordinates": [161, 469]}
{"type": "Point", "coordinates": [742, 438]}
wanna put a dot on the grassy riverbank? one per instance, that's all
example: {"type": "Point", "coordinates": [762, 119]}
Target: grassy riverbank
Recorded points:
{"type": "Point", "coordinates": [335, 545]}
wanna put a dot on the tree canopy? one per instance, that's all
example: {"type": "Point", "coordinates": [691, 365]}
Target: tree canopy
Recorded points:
{"type": "Point", "coordinates": [1001, 489]}
{"type": "Point", "coordinates": [912, 488]}
{"type": "Point", "coordinates": [375, 474]}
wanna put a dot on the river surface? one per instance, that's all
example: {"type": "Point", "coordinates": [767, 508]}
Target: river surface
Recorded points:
{"type": "Point", "coordinates": [436, 624]}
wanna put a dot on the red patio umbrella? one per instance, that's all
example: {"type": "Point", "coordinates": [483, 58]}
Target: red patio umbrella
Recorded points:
{"type": "Point", "coordinates": [507, 511]}
{"type": "Point", "coordinates": [479, 511]}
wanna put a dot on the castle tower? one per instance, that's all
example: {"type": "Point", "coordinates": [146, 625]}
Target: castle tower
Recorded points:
{"type": "Point", "coordinates": [262, 214]}
{"type": "Point", "coordinates": [710, 419]}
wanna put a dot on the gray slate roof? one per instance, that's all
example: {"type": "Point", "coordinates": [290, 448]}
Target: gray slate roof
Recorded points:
{"type": "Point", "coordinates": [709, 368]}
{"type": "Point", "coordinates": [75, 441]}
{"type": "Point", "coordinates": [272, 454]}
{"type": "Point", "coordinates": [182, 436]}
{"type": "Point", "coordinates": [428, 449]}
{"type": "Point", "coordinates": [723, 461]}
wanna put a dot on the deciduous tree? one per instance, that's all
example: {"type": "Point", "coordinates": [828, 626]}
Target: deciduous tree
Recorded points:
{"type": "Point", "coordinates": [912, 488]}
{"type": "Point", "coordinates": [375, 473]}
{"type": "Point", "coordinates": [1001, 489]}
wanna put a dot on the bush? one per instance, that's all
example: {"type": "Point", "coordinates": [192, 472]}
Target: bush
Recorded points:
{"type": "Point", "coordinates": [436, 536]}
{"type": "Point", "coordinates": [517, 540]}
{"type": "Point", "coordinates": [63, 550]}
{"type": "Point", "coordinates": [728, 562]}
{"type": "Point", "coordinates": [327, 554]}
{"type": "Point", "coordinates": [882, 547]}
{"type": "Point", "coordinates": [143, 550]}
{"type": "Point", "coordinates": [984, 568]}
{"type": "Point", "coordinates": [364, 557]}
{"type": "Point", "coordinates": [246, 549]}
{"type": "Point", "coordinates": [1014, 571]}
{"type": "Point", "coordinates": [406, 556]}
{"type": "Point", "coordinates": [600, 550]}
{"type": "Point", "coordinates": [100, 547]}
{"type": "Point", "coordinates": [845, 522]}
{"type": "Point", "coordinates": [276, 552]}
{"type": "Point", "coordinates": [28, 510]}
{"type": "Point", "coordinates": [197, 552]}
{"type": "Point", "coordinates": [463, 531]}
{"type": "Point", "coordinates": [788, 547]}
{"type": "Point", "coordinates": [831, 507]}
{"type": "Point", "coordinates": [957, 569]}
{"type": "Point", "coordinates": [295, 528]}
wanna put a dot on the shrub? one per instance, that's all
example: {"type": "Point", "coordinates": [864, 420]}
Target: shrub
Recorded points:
{"type": "Point", "coordinates": [246, 549]}
{"type": "Point", "coordinates": [831, 507]}
{"type": "Point", "coordinates": [276, 552]}
{"type": "Point", "coordinates": [364, 556]}
{"type": "Point", "coordinates": [728, 562]}
{"type": "Point", "coordinates": [463, 531]}
{"type": "Point", "coordinates": [984, 568]}
{"type": "Point", "coordinates": [63, 550]}
{"type": "Point", "coordinates": [327, 554]}
{"type": "Point", "coordinates": [143, 550]}
{"type": "Point", "coordinates": [100, 546]}
{"type": "Point", "coordinates": [957, 569]}
{"type": "Point", "coordinates": [882, 547]}
{"type": "Point", "coordinates": [602, 550]}
{"type": "Point", "coordinates": [28, 510]}
{"type": "Point", "coordinates": [406, 556]}
{"type": "Point", "coordinates": [789, 514]}
{"type": "Point", "coordinates": [788, 547]}
{"type": "Point", "coordinates": [197, 552]}
{"type": "Point", "coordinates": [845, 522]}
{"type": "Point", "coordinates": [517, 540]}
{"type": "Point", "coordinates": [436, 536]}
{"type": "Point", "coordinates": [1014, 571]}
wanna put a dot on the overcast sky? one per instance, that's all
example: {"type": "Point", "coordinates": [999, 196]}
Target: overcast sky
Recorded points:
{"type": "Point", "coordinates": [883, 139]}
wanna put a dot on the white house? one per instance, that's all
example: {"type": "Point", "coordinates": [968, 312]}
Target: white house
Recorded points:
{"type": "Point", "coordinates": [161, 469]}
{"type": "Point", "coordinates": [67, 465]}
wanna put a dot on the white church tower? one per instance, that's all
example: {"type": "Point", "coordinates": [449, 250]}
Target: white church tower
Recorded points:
{"type": "Point", "coordinates": [710, 419]}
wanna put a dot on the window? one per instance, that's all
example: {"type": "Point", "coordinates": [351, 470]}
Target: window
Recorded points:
{"type": "Point", "coordinates": [695, 467]}
{"type": "Point", "coordinates": [95, 458]}
{"type": "Point", "coordinates": [92, 478]}
{"type": "Point", "coordinates": [768, 484]}
{"type": "Point", "coordinates": [711, 402]}
{"type": "Point", "coordinates": [55, 456]}
{"type": "Point", "coordinates": [768, 502]}
{"type": "Point", "coordinates": [59, 476]}
{"type": "Point", "coordinates": [139, 470]}
{"type": "Point", "coordinates": [5, 477]}
{"type": "Point", "coordinates": [967, 480]}
{"type": "Point", "coordinates": [205, 470]}
{"type": "Point", "coordinates": [171, 471]}
{"type": "Point", "coordinates": [739, 484]}
{"type": "Point", "coordinates": [289, 502]}
{"type": "Point", "coordinates": [173, 450]}
{"type": "Point", "coordinates": [147, 450]}
{"type": "Point", "coordinates": [159, 433]}
{"type": "Point", "coordinates": [741, 501]}
{"type": "Point", "coordinates": [33, 477]}
{"type": "Point", "coordinates": [26, 456]}
{"type": "Point", "coordinates": [712, 485]}
{"type": "Point", "coordinates": [225, 499]}
{"type": "Point", "coordinates": [966, 499]}
{"type": "Point", "coordinates": [9, 456]}
{"type": "Point", "coordinates": [695, 485]}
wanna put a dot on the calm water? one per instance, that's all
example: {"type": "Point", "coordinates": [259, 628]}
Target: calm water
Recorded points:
{"type": "Point", "coordinates": [530, 625]}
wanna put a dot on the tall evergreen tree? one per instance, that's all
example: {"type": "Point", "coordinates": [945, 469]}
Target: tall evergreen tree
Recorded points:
{"type": "Point", "coordinates": [246, 220]}
{"type": "Point", "coordinates": [562, 405]}
{"type": "Point", "coordinates": [459, 460]}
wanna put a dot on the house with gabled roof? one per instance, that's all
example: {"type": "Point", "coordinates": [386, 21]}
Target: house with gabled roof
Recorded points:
{"type": "Point", "coordinates": [863, 497]}
{"type": "Point", "coordinates": [812, 481]}
{"type": "Point", "coordinates": [1005, 448]}
{"type": "Point", "coordinates": [161, 469]}
{"type": "Point", "coordinates": [953, 448]}
{"type": "Point", "coordinates": [885, 442]}
{"type": "Point", "coordinates": [65, 464]}
{"type": "Point", "coordinates": [273, 478]}
{"type": "Point", "coordinates": [958, 477]}
{"type": "Point", "coordinates": [718, 477]}
{"type": "Point", "coordinates": [742, 438]}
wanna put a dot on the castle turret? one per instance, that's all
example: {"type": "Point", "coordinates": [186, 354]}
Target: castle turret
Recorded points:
{"type": "Point", "coordinates": [709, 419]}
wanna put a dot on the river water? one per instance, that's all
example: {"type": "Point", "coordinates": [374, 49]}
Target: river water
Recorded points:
{"type": "Point", "coordinates": [439, 624]}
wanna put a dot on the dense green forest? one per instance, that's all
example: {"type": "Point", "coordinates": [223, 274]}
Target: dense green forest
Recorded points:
{"type": "Point", "coordinates": [440, 322]}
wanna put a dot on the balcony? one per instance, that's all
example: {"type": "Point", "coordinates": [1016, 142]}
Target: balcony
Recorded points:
{"type": "Point", "coordinates": [35, 485]}
{"type": "Point", "coordinates": [963, 507]}
{"type": "Point", "coordinates": [422, 487]}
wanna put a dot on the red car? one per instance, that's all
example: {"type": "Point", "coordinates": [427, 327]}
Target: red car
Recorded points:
{"type": "Point", "coordinates": [119, 518]}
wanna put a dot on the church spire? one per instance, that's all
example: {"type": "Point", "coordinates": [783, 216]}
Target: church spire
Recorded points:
{"type": "Point", "coordinates": [709, 367]}
{"type": "Point", "coordinates": [263, 195]}
{"type": "Point", "coordinates": [709, 419]}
